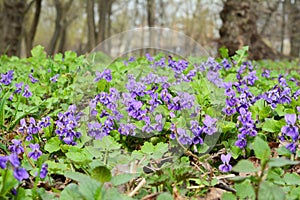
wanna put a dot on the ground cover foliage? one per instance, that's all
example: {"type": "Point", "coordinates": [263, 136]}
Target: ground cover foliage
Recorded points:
{"type": "Point", "coordinates": [150, 127]}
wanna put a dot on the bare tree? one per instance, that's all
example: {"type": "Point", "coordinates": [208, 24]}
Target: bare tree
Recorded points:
{"type": "Point", "coordinates": [29, 36]}
{"type": "Point", "coordinates": [92, 35]}
{"type": "Point", "coordinates": [11, 26]}
{"type": "Point", "coordinates": [293, 26]}
{"type": "Point", "coordinates": [61, 24]}
{"type": "Point", "coordinates": [239, 29]}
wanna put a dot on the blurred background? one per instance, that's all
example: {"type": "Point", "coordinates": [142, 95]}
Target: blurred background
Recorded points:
{"type": "Point", "coordinates": [270, 27]}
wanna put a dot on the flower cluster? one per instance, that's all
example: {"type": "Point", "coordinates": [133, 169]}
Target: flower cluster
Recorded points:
{"type": "Point", "coordinates": [291, 131]}
{"type": "Point", "coordinates": [106, 74]}
{"type": "Point", "coordinates": [29, 129]}
{"type": "Point", "coordinates": [7, 77]}
{"type": "Point", "coordinates": [278, 95]}
{"type": "Point", "coordinates": [66, 126]}
{"type": "Point", "coordinates": [17, 149]}
{"type": "Point", "coordinates": [248, 127]}
{"type": "Point", "coordinates": [209, 128]}
{"type": "Point", "coordinates": [109, 112]}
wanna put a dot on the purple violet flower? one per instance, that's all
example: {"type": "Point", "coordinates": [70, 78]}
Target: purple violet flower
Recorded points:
{"type": "Point", "coordinates": [290, 129]}
{"type": "Point", "coordinates": [54, 78]}
{"type": "Point", "coordinates": [16, 147]}
{"type": "Point", "coordinates": [3, 161]}
{"type": "Point", "coordinates": [18, 88]}
{"type": "Point", "coordinates": [27, 92]}
{"type": "Point", "coordinates": [20, 174]}
{"type": "Point", "coordinates": [35, 153]}
{"type": "Point", "coordinates": [44, 170]}
{"type": "Point", "coordinates": [7, 78]}
{"type": "Point", "coordinates": [225, 167]}
{"type": "Point", "coordinates": [32, 79]}
{"type": "Point", "coordinates": [209, 125]}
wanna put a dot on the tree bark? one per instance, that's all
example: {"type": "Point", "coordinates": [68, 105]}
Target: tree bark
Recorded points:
{"type": "Point", "coordinates": [12, 15]}
{"type": "Point", "coordinates": [151, 22]}
{"type": "Point", "coordinates": [239, 29]}
{"type": "Point", "coordinates": [57, 29]}
{"type": "Point", "coordinates": [61, 25]}
{"type": "Point", "coordinates": [92, 34]}
{"type": "Point", "coordinates": [31, 34]}
{"type": "Point", "coordinates": [102, 9]}
{"type": "Point", "coordinates": [294, 28]}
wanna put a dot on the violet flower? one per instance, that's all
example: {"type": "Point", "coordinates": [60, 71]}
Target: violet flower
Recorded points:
{"type": "Point", "coordinates": [209, 125]}
{"type": "Point", "coordinates": [44, 170]}
{"type": "Point", "coordinates": [16, 147]}
{"type": "Point", "coordinates": [225, 167]}
{"type": "Point", "coordinates": [290, 129]}
{"type": "Point", "coordinates": [20, 174]}
{"type": "Point", "coordinates": [35, 153]}
{"type": "Point", "coordinates": [27, 92]}
{"type": "Point", "coordinates": [7, 78]}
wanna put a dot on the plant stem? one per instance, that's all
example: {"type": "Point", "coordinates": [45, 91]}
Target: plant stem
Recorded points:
{"type": "Point", "coordinates": [3, 182]}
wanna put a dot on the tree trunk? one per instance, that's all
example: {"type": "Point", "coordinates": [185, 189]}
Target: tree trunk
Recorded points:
{"type": "Point", "coordinates": [283, 25]}
{"type": "Point", "coordinates": [102, 9]}
{"type": "Point", "coordinates": [30, 35]}
{"type": "Point", "coordinates": [294, 28]}
{"type": "Point", "coordinates": [239, 29]}
{"type": "Point", "coordinates": [57, 29]}
{"type": "Point", "coordinates": [11, 26]}
{"type": "Point", "coordinates": [92, 35]}
{"type": "Point", "coordinates": [151, 22]}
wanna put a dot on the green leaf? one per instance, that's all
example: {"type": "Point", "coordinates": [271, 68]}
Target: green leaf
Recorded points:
{"type": "Point", "coordinates": [280, 162]}
{"type": "Point", "coordinates": [228, 126]}
{"type": "Point", "coordinates": [272, 125]}
{"type": "Point", "coordinates": [102, 174]}
{"type": "Point", "coordinates": [113, 193]}
{"type": "Point", "coordinates": [280, 110]}
{"type": "Point", "coordinates": [78, 157]}
{"type": "Point", "coordinates": [202, 148]}
{"type": "Point", "coordinates": [244, 166]}
{"type": "Point", "coordinates": [241, 55]}
{"type": "Point", "coordinates": [88, 187]}
{"type": "Point", "coordinates": [283, 151]}
{"type": "Point", "coordinates": [45, 195]}
{"type": "Point", "coordinates": [261, 149]}
{"type": "Point", "coordinates": [53, 145]}
{"type": "Point", "coordinates": [107, 143]}
{"type": "Point", "coordinates": [10, 182]}
{"type": "Point", "coordinates": [147, 148]}
{"type": "Point", "coordinates": [70, 192]}
{"type": "Point", "coordinates": [2, 103]}
{"type": "Point", "coordinates": [165, 196]}
{"type": "Point", "coordinates": [245, 190]}
{"type": "Point", "coordinates": [292, 179]}
{"type": "Point", "coordinates": [38, 52]}
{"type": "Point", "coordinates": [121, 179]}
{"type": "Point", "coordinates": [224, 52]}
{"type": "Point", "coordinates": [269, 190]}
{"type": "Point", "coordinates": [228, 196]}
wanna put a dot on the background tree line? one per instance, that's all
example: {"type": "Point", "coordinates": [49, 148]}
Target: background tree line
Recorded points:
{"type": "Point", "coordinates": [270, 27]}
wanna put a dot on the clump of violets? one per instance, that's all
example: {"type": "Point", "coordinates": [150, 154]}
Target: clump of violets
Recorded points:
{"type": "Point", "coordinates": [66, 126]}
{"type": "Point", "coordinates": [106, 74]}
{"type": "Point", "coordinates": [225, 167]}
{"type": "Point", "coordinates": [16, 150]}
{"type": "Point", "coordinates": [7, 77]}
{"type": "Point", "coordinates": [290, 132]}
{"type": "Point", "coordinates": [29, 129]}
